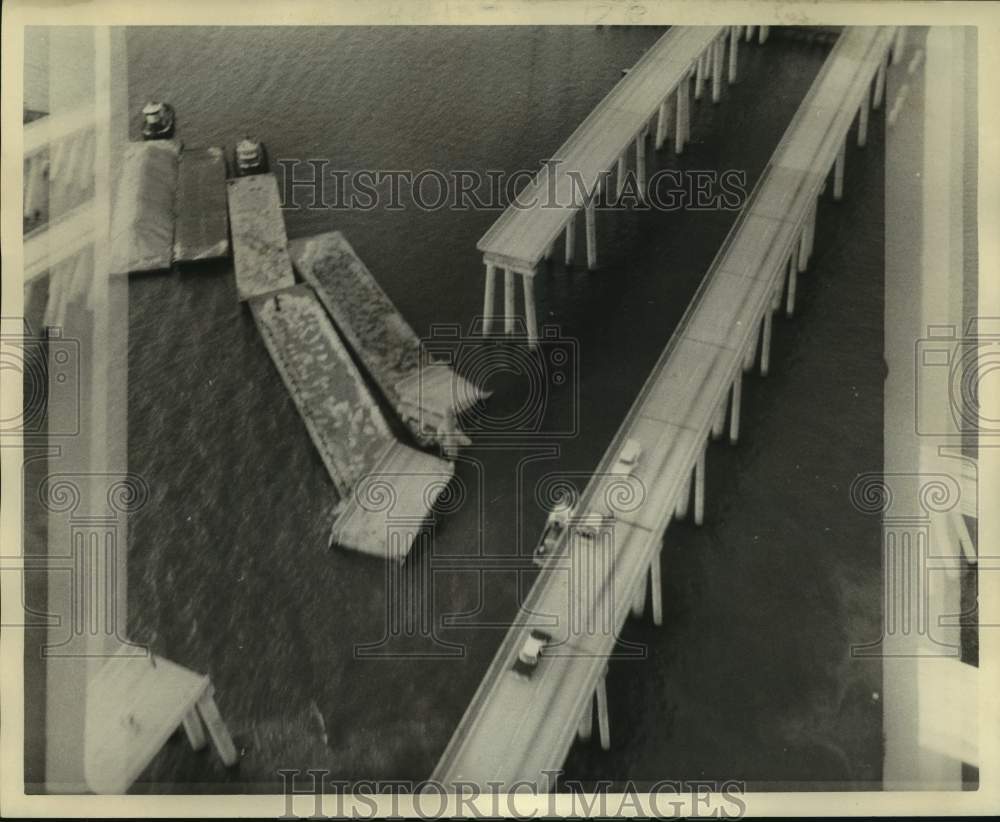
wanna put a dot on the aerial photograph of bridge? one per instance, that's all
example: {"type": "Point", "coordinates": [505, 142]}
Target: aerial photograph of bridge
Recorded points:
{"type": "Point", "coordinates": [529, 409]}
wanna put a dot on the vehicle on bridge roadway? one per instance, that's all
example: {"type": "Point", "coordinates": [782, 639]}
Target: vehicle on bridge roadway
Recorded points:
{"type": "Point", "coordinates": [531, 650]}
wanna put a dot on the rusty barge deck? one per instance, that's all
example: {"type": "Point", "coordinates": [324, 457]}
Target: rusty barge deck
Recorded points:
{"type": "Point", "coordinates": [427, 396]}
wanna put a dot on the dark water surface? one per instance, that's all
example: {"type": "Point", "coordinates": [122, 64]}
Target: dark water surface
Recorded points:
{"type": "Point", "coordinates": [751, 677]}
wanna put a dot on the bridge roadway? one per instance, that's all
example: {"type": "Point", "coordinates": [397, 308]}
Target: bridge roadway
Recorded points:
{"type": "Point", "coordinates": [518, 727]}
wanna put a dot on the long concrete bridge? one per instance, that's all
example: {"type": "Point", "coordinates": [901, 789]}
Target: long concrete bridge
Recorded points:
{"type": "Point", "coordinates": [655, 93]}
{"type": "Point", "coordinates": [522, 721]}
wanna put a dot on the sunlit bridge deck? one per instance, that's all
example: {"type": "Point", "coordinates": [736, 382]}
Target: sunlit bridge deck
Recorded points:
{"type": "Point", "coordinates": [652, 96]}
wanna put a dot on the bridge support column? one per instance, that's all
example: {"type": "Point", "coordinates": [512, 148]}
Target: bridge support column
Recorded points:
{"type": "Point", "coordinates": [838, 172]}
{"type": "Point", "coordinates": [717, 48]}
{"type": "Point", "coordinates": [764, 31]}
{"type": "Point", "coordinates": [898, 44]}
{"type": "Point", "coordinates": [682, 502]}
{"type": "Point", "coordinates": [639, 603]}
{"type": "Point", "coordinates": [570, 238]}
{"type": "Point", "coordinates": [811, 231]}
{"type": "Point", "coordinates": [751, 354]}
{"type": "Point", "coordinates": [586, 726]}
{"type": "Point", "coordinates": [603, 720]}
{"type": "Point", "coordinates": [699, 487]}
{"type": "Point", "coordinates": [528, 282]}
{"type": "Point", "coordinates": [793, 276]}
{"type": "Point", "coordinates": [508, 302]}
{"type": "Point", "coordinates": [765, 345]}
{"type": "Point", "coordinates": [734, 44]}
{"type": "Point", "coordinates": [640, 163]}
{"type": "Point", "coordinates": [699, 76]}
{"type": "Point", "coordinates": [663, 124]}
{"type": "Point", "coordinates": [806, 238]}
{"type": "Point", "coordinates": [681, 130]}
{"type": "Point", "coordinates": [734, 413]}
{"type": "Point", "coordinates": [550, 250]}
{"type": "Point", "coordinates": [590, 216]}
{"type": "Point", "coordinates": [863, 119]}
{"type": "Point", "coordinates": [687, 110]}
{"type": "Point", "coordinates": [779, 284]}
{"type": "Point", "coordinates": [656, 588]}
{"type": "Point", "coordinates": [879, 85]}
{"type": "Point", "coordinates": [489, 297]}
{"type": "Point", "coordinates": [719, 423]}
{"type": "Point", "coordinates": [750, 33]}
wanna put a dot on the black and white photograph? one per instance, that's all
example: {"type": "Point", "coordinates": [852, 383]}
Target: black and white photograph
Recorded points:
{"type": "Point", "coordinates": [500, 409]}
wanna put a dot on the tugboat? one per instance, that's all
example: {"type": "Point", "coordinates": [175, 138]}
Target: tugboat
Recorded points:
{"type": "Point", "coordinates": [157, 121]}
{"type": "Point", "coordinates": [251, 157]}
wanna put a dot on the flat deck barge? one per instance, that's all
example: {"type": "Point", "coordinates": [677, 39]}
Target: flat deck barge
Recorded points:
{"type": "Point", "coordinates": [260, 245]}
{"type": "Point", "coordinates": [142, 226]}
{"type": "Point", "coordinates": [427, 395]}
{"type": "Point", "coordinates": [202, 230]}
{"type": "Point", "coordinates": [343, 420]}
